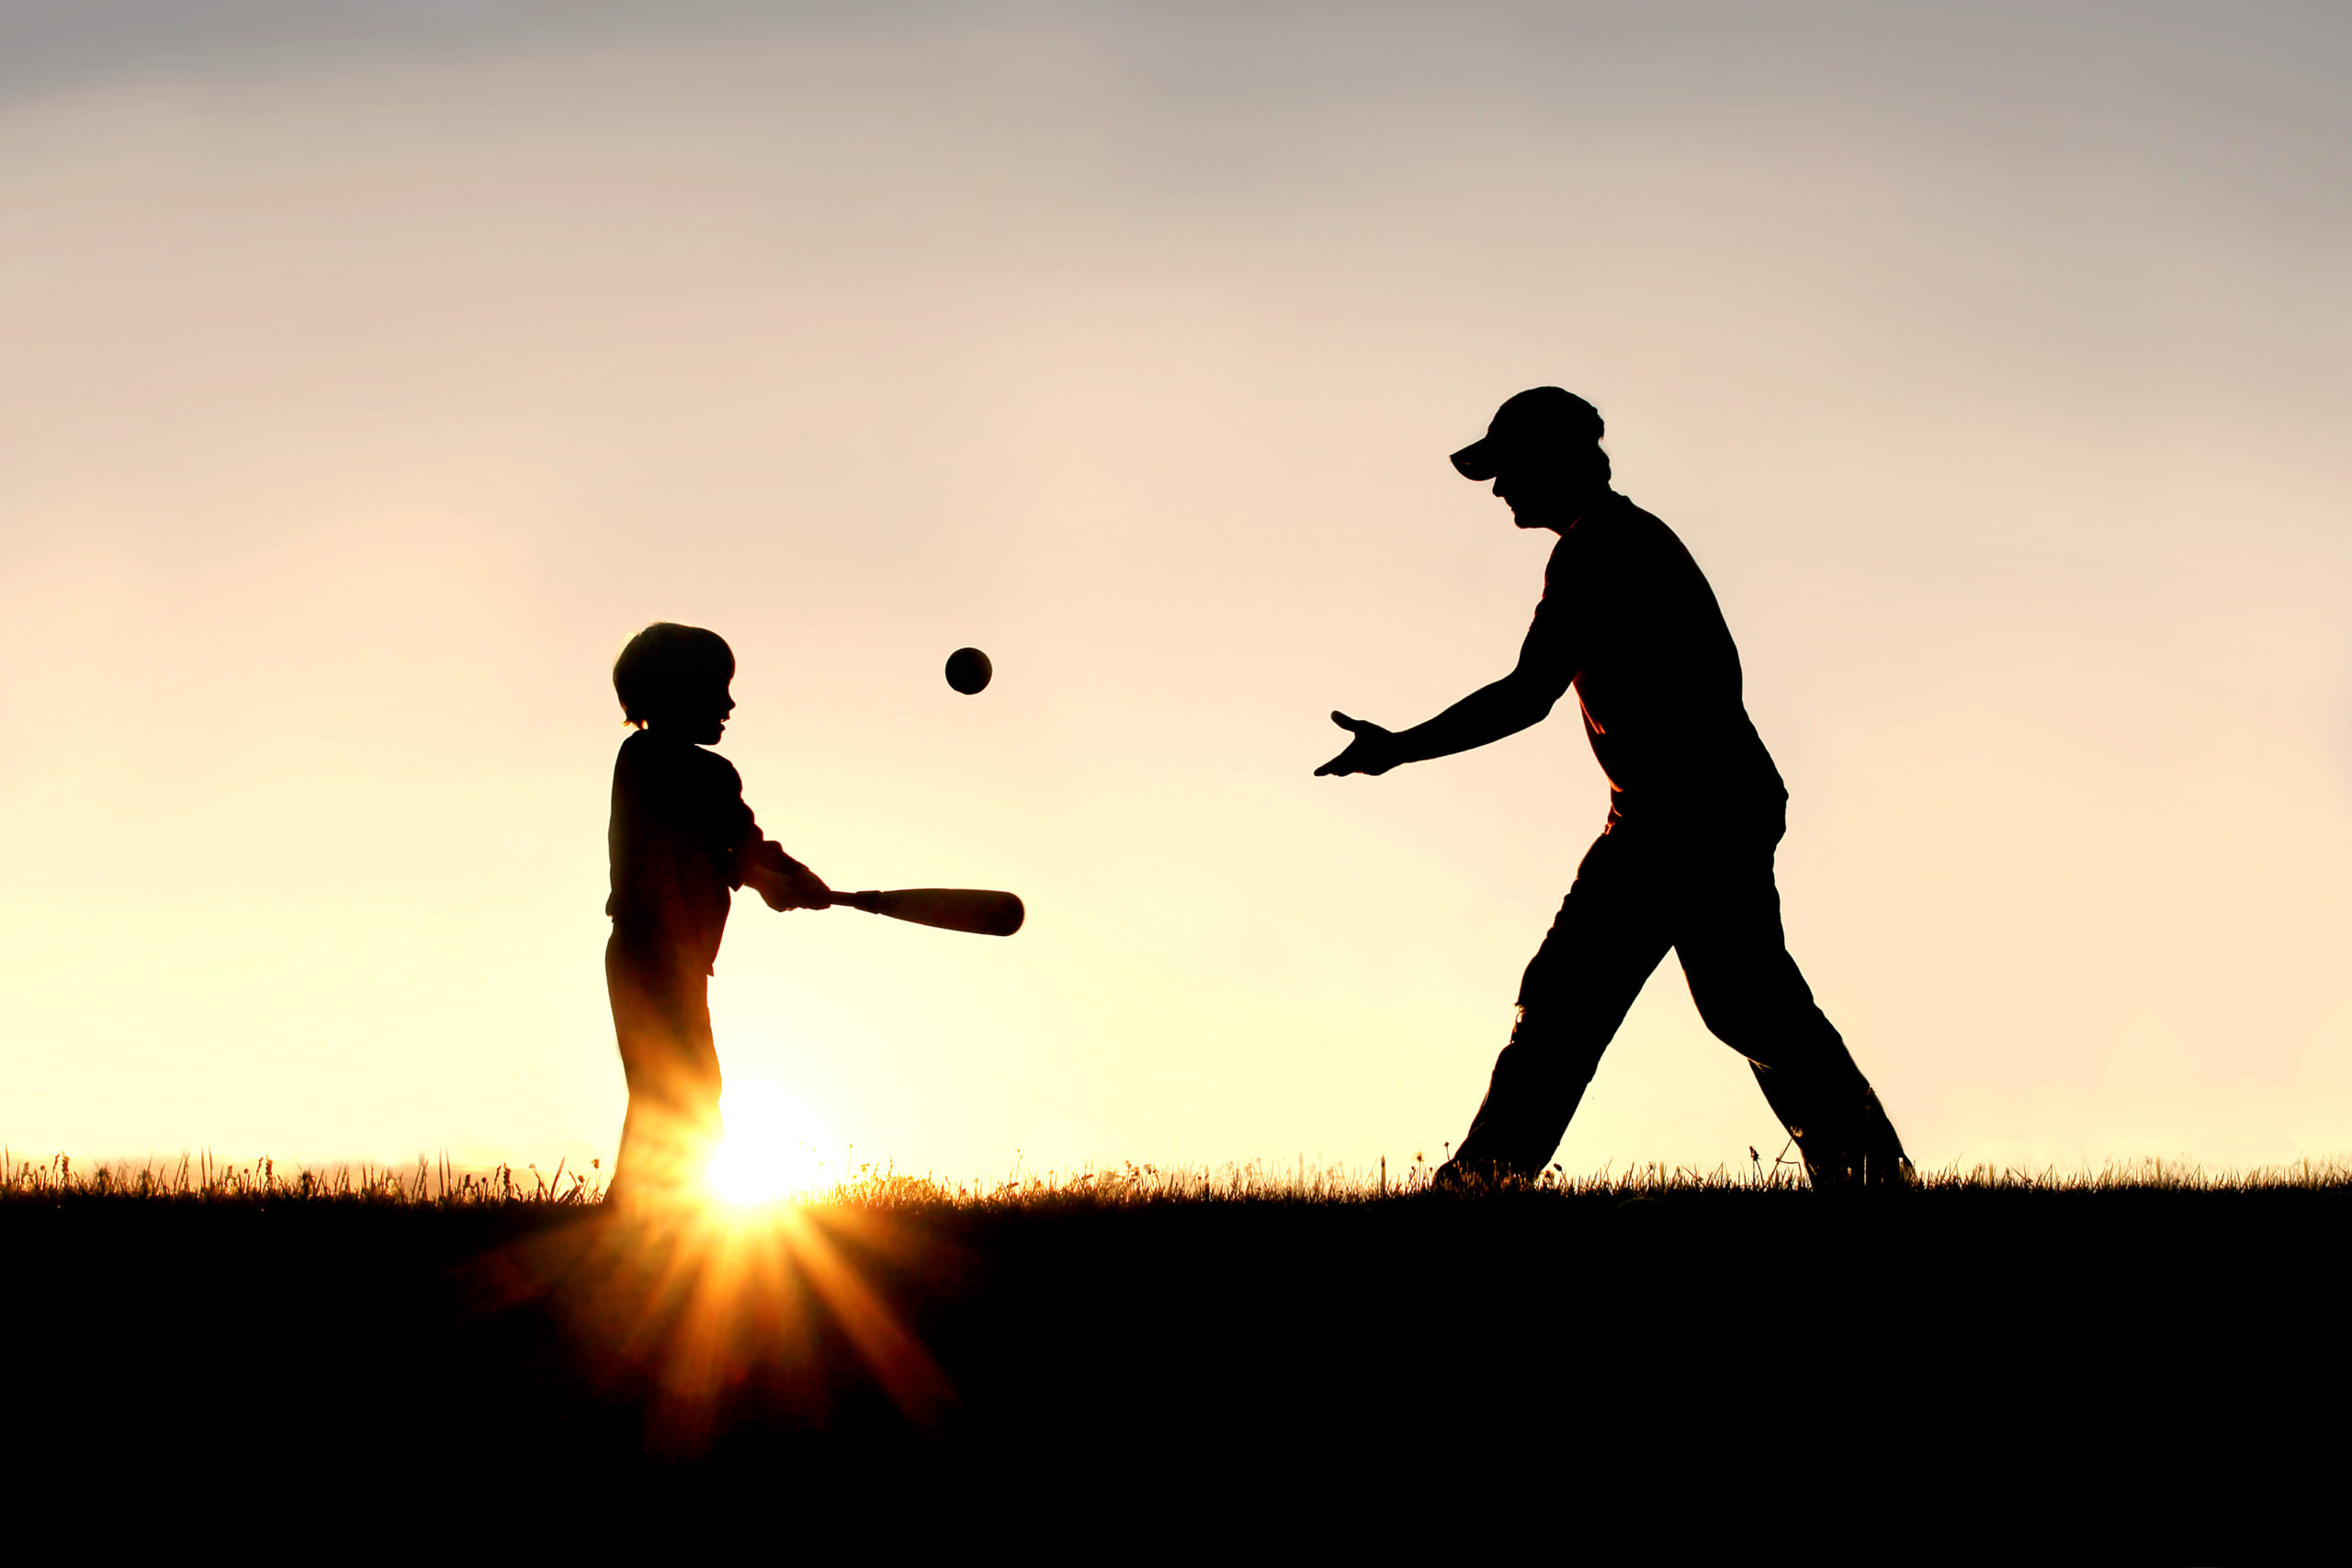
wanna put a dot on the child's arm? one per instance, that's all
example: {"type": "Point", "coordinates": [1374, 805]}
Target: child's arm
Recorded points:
{"type": "Point", "coordinates": [783, 882]}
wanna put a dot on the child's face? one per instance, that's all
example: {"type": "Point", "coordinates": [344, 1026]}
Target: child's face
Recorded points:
{"type": "Point", "coordinates": [699, 715]}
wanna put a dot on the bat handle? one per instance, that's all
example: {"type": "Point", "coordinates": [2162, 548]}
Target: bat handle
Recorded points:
{"type": "Point", "coordinates": [869, 901]}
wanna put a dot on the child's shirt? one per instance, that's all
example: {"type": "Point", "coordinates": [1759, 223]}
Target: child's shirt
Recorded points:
{"type": "Point", "coordinates": [679, 829]}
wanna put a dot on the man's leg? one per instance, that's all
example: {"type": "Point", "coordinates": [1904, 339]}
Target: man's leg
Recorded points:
{"type": "Point", "coordinates": [1611, 933]}
{"type": "Point", "coordinates": [1749, 991]}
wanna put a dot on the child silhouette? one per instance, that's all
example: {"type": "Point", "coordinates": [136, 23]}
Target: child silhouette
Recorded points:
{"type": "Point", "coordinates": [682, 840]}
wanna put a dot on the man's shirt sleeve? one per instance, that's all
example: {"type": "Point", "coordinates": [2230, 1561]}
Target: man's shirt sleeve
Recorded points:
{"type": "Point", "coordinates": [1555, 649]}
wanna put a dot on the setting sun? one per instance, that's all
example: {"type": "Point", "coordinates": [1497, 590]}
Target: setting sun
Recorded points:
{"type": "Point", "coordinates": [770, 1149]}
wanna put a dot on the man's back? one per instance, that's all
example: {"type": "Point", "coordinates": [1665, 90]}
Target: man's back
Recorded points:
{"type": "Point", "coordinates": [1628, 616]}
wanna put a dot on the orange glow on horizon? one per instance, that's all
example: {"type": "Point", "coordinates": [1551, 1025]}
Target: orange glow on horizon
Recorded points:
{"type": "Point", "coordinates": [700, 1305]}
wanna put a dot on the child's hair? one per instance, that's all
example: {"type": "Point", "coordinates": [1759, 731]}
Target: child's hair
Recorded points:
{"type": "Point", "coordinates": [667, 662]}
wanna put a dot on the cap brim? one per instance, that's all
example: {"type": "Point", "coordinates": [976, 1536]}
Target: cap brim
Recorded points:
{"type": "Point", "coordinates": [1477, 461]}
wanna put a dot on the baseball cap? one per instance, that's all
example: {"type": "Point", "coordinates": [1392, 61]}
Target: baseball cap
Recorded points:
{"type": "Point", "coordinates": [1538, 418]}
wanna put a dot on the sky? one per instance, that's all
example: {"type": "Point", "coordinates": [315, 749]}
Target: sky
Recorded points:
{"type": "Point", "coordinates": [370, 372]}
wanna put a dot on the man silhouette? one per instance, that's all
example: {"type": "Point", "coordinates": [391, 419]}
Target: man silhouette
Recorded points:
{"type": "Point", "coordinates": [1695, 810]}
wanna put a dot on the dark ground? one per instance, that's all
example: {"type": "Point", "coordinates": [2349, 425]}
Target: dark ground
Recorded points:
{"type": "Point", "coordinates": [2151, 1373]}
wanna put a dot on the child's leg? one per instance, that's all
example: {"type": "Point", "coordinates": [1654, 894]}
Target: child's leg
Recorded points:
{"type": "Point", "coordinates": [662, 1018]}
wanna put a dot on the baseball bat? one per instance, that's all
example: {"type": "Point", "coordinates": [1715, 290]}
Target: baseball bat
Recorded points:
{"type": "Point", "coordinates": [975, 910]}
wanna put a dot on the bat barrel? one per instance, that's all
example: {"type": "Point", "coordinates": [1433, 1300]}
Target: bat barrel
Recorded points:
{"type": "Point", "coordinates": [982, 911]}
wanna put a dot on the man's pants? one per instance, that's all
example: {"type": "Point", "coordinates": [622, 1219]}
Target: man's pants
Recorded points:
{"type": "Point", "coordinates": [661, 1015]}
{"type": "Point", "coordinates": [1707, 892]}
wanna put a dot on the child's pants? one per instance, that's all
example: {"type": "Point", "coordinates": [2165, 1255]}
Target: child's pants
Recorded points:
{"type": "Point", "coordinates": [661, 1015]}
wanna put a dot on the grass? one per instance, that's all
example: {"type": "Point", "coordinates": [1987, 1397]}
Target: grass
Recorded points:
{"type": "Point", "coordinates": [2133, 1350]}
{"type": "Point", "coordinates": [430, 1184]}
{"type": "Point", "coordinates": [200, 1179]}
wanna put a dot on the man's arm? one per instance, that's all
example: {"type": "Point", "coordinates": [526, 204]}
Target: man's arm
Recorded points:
{"type": "Point", "coordinates": [1520, 699]}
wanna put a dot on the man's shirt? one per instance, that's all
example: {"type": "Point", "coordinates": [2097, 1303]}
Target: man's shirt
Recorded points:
{"type": "Point", "coordinates": [679, 828]}
{"type": "Point", "coordinates": [1628, 617]}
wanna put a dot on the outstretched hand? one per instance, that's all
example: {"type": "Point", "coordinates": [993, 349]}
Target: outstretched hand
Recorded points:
{"type": "Point", "coordinates": [1374, 750]}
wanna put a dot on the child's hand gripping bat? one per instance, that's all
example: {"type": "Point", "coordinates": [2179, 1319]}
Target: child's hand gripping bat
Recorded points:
{"type": "Point", "coordinates": [786, 884]}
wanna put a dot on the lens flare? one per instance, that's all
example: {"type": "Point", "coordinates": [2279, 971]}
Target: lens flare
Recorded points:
{"type": "Point", "coordinates": [769, 1153]}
